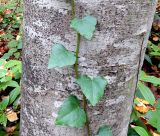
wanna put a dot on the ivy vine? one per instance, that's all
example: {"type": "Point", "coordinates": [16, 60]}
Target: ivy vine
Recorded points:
{"type": "Point", "coordinates": [71, 113]}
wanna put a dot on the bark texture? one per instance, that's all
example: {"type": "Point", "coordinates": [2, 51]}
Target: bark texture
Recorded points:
{"type": "Point", "coordinates": [116, 52]}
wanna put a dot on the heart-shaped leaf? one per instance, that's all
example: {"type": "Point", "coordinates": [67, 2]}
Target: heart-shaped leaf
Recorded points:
{"type": "Point", "coordinates": [104, 131]}
{"type": "Point", "coordinates": [61, 57]}
{"type": "Point", "coordinates": [93, 88]}
{"type": "Point", "coordinates": [70, 113]}
{"type": "Point", "coordinates": [84, 26]}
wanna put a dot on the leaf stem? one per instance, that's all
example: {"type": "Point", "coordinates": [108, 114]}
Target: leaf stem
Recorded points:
{"type": "Point", "coordinates": [77, 53]}
{"type": "Point", "coordinates": [77, 73]}
{"type": "Point", "coordinates": [73, 8]}
{"type": "Point", "coordinates": [85, 109]}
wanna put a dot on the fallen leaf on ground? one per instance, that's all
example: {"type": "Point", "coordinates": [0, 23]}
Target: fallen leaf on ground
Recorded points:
{"type": "Point", "coordinates": [12, 116]}
{"type": "Point", "coordinates": [155, 38]}
{"type": "Point", "coordinates": [142, 108]}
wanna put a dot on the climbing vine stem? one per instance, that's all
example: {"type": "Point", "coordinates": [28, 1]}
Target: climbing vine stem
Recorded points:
{"type": "Point", "coordinates": [92, 87]}
{"type": "Point", "coordinates": [73, 8]}
{"type": "Point", "coordinates": [77, 53]}
{"type": "Point", "coordinates": [77, 73]}
{"type": "Point", "coordinates": [85, 109]}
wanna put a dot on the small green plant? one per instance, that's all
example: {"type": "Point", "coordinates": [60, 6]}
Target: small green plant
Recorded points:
{"type": "Point", "coordinates": [153, 117]}
{"type": "Point", "coordinates": [154, 49]}
{"type": "Point", "coordinates": [10, 73]}
{"type": "Point", "coordinates": [10, 14]}
{"type": "Point", "coordinates": [14, 47]}
{"type": "Point", "coordinates": [146, 108]}
{"type": "Point", "coordinates": [142, 121]}
{"type": "Point", "coordinates": [143, 90]}
{"type": "Point", "coordinates": [71, 114]}
{"type": "Point", "coordinates": [153, 53]}
{"type": "Point", "coordinates": [10, 24]}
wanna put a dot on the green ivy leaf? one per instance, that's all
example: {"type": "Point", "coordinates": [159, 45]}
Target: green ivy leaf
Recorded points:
{"type": "Point", "coordinates": [146, 92]}
{"type": "Point", "coordinates": [93, 88]}
{"type": "Point", "coordinates": [4, 103]}
{"type": "Point", "coordinates": [3, 119]}
{"type": "Point", "coordinates": [70, 113]}
{"type": "Point", "coordinates": [141, 131]}
{"type": "Point", "coordinates": [104, 131]}
{"type": "Point", "coordinates": [85, 26]}
{"type": "Point", "coordinates": [61, 57]}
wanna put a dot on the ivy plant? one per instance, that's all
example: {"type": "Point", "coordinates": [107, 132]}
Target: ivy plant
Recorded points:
{"type": "Point", "coordinates": [84, 26]}
{"type": "Point", "coordinates": [71, 113]}
{"type": "Point", "coordinates": [93, 88]}
{"type": "Point", "coordinates": [104, 131]}
{"type": "Point", "coordinates": [59, 53]}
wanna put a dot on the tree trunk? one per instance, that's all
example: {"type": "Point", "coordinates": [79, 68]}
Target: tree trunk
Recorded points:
{"type": "Point", "coordinates": [116, 52]}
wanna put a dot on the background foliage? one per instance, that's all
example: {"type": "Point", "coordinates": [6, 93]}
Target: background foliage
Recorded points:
{"type": "Point", "coordinates": [145, 120]}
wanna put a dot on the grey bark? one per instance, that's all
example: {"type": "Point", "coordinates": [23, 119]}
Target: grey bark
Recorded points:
{"type": "Point", "coordinates": [116, 52]}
